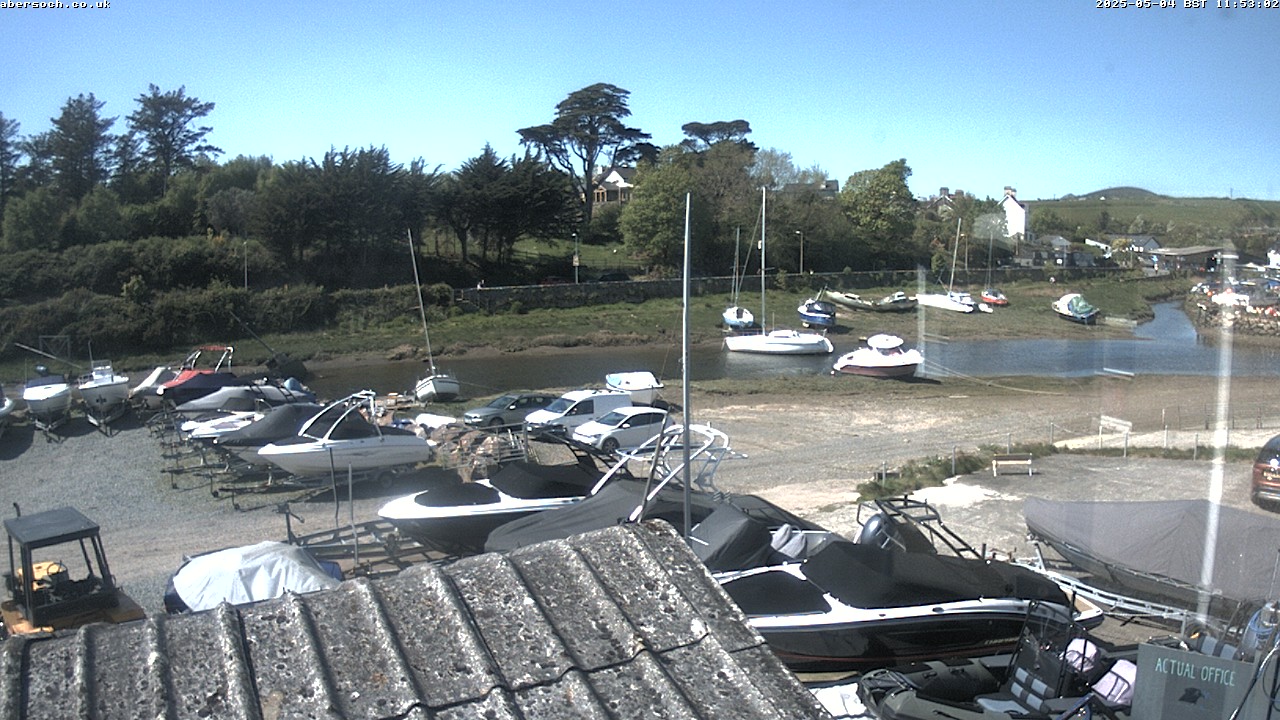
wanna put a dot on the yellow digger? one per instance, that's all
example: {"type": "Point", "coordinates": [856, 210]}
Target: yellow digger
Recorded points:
{"type": "Point", "coordinates": [58, 575]}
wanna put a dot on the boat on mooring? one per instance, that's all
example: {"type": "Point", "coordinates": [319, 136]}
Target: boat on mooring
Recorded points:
{"type": "Point", "coordinates": [883, 356]}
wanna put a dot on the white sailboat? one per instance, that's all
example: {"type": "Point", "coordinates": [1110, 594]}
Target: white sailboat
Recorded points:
{"type": "Point", "coordinates": [737, 317]}
{"type": "Point", "coordinates": [776, 342]}
{"type": "Point", "coordinates": [436, 385]}
{"type": "Point", "coordinates": [953, 300]}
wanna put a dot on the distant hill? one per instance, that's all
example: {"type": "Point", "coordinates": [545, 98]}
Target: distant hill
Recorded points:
{"type": "Point", "coordinates": [1115, 193]}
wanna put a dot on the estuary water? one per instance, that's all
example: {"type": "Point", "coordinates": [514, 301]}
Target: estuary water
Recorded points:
{"type": "Point", "coordinates": [1167, 345]}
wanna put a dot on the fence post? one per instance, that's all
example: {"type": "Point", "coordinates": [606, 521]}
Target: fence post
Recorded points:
{"type": "Point", "coordinates": [1126, 444]}
{"type": "Point", "coordinates": [1195, 448]}
{"type": "Point", "coordinates": [953, 460]}
{"type": "Point", "coordinates": [1008, 443]}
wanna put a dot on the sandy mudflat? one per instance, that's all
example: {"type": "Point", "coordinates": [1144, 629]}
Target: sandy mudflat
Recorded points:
{"type": "Point", "coordinates": [807, 453]}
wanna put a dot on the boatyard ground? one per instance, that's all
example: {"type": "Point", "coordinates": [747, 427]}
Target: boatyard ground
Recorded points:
{"type": "Point", "coordinates": [806, 452]}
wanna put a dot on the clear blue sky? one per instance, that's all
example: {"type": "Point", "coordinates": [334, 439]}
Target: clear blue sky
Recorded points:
{"type": "Point", "coordinates": [1051, 97]}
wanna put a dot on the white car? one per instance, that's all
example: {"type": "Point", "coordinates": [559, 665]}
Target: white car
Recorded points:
{"type": "Point", "coordinates": [626, 427]}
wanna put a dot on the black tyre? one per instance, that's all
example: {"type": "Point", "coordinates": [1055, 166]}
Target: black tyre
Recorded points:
{"type": "Point", "coordinates": [609, 445]}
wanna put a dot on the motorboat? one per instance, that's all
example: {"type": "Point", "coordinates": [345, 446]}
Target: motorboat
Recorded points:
{"type": "Point", "coordinates": [1057, 670]}
{"type": "Point", "coordinates": [1075, 308]}
{"type": "Point", "coordinates": [461, 517]}
{"type": "Point", "coordinates": [48, 399]}
{"type": "Point", "coordinates": [437, 385]}
{"type": "Point", "coordinates": [643, 385]}
{"type": "Point", "coordinates": [7, 406]}
{"type": "Point", "coordinates": [1157, 548]}
{"type": "Point", "coordinates": [825, 603]}
{"type": "Point", "coordinates": [248, 574]}
{"type": "Point", "coordinates": [280, 423]}
{"type": "Point", "coordinates": [147, 392]}
{"type": "Point", "coordinates": [104, 392]}
{"type": "Point", "coordinates": [342, 437]}
{"type": "Point", "coordinates": [248, 397]}
{"type": "Point", "coordinates": [817, 313]}
{"type": "Point", "coordinates": [458, 517]}
{"type": "Point", "coordinates": [883, 356]}
{"type": "Point", "coordinates": [192, 381]}
{"type": "Point", "coordinates": [894, 302]}
{"type": "Point", "coordinates": [781, 342]}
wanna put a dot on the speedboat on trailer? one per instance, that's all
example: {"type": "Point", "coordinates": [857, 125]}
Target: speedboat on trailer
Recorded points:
{"type": "Point", "coordinates": [459, 517]}
{"type": "Point", "coordinates": [48, 399]}
{"type": "Point", "coordinates": [104, 392]}
{"type": "Point", "coordinates": [341, 437]}
{"type": "Point", "coordinates": [825, 603]}
{"type": "Point", "coordinates": [280, 423]}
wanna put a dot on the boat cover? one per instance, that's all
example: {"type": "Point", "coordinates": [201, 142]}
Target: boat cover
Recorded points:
{"type": "Point", "coordinates": [1168, 538]}
{"type": "Point", "coordinates": [281, 422]}
{"type": "Point", "coordinates": [867, 576]}
{"type": "Point", "coordinates": [249, 574]}
{"type": "Point", "coordinates": [527, 480]}
{"type": "Point", "coordinates": [613, 505]}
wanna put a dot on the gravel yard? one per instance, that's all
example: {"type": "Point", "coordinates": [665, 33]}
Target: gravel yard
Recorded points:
{"type": "Point", "coordinates": [804, 453]}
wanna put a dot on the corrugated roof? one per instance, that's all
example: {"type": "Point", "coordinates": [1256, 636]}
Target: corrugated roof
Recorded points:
{"type": "Point", "coordinates": [623, 622]}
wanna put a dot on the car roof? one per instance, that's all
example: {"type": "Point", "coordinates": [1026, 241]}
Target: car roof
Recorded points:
{"type": "Point", "coordinates": [637, 409]}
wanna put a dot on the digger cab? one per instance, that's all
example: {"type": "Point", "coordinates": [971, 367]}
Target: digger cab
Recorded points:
{"type": "Point", "coordinates": [58, 575]}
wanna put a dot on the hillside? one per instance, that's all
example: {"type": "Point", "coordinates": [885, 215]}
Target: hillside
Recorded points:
{"type": "Point", "coordinates": [1176, 221]}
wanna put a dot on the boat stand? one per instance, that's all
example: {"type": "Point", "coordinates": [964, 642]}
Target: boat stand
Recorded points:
{"type": "Point", "coordinates": [372, 548]}
{"type": "Point", "coordinates": [49, 427]}
{"type": "Point", "coordinates": [102, 421]}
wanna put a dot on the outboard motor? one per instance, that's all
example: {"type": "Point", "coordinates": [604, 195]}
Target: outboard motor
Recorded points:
{"type": "Point", "coordinates": [1261, 635]}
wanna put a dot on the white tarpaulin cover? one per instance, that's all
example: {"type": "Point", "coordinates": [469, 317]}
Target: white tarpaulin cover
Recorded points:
{"type": "Point", "coordinates": [249, 574]}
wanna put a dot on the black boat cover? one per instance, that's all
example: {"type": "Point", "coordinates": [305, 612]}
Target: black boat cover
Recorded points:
{"type": "Point", "coordinates": [867, 576]}
{"type": "Point", "coordinates": [281, 422]}
{"type": "Point", "coordinates": [613, 505]}
{"type": "Point", "coordinates": [528, 480]}
{"type": "Point", "coordinates": [1169, 538]}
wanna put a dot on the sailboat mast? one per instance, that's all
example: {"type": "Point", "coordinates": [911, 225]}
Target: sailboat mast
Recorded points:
{"type": "Point", "coordinates": [951, 283]}
{"type": "Point", "coordinates": [762, 264]}
{"type": "Point", "coordinates": [422, 309]}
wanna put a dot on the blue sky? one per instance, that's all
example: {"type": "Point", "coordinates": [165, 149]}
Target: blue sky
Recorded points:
{"type": "Point", "coordinates": [1049, 97]}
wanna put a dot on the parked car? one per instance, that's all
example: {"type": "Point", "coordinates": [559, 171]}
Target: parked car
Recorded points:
{"type": "Point", "coordinates": [508, 409]}
{"type": "Point", "coordinates": [1265, 490]}
{"type": "Point", "coordinates": [626, 427]}
{"type": "Point", "coordinates": [575, 408]}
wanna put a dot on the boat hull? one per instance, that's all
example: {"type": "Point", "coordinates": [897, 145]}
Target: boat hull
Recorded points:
{"type": "Point", "coordinates": [856, 367]}
{"type": "Point", "coordinates": [437, 387]}
{"type": "Point", "coordinates": [880, 642]}
{"type": "Point", "coordinates": [738, 318]}
{"type": "Point", "coordinates": [49, 404]}
{"type": "Point", "coordinates": [780, 342]}
{"type": "Point", "coordinates": [322, 457]}
{"type": "Point", "coordinates": [105, 394]}
{"type": "Point", "coordinates": [943, 302]}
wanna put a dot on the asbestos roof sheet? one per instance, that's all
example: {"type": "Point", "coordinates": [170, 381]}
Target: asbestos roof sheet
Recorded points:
{"type": "Point", "coordinates": [618, 623]}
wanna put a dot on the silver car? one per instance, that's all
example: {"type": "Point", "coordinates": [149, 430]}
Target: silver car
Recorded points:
{"type": "Point", "coordinates": [508, 409]}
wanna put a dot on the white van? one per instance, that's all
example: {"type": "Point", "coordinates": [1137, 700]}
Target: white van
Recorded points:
{"type": "Point", "coordinates": [575, 408]}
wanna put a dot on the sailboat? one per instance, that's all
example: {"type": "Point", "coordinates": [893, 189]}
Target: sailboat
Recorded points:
{"type": "Point", "coordinates": [436, 385]}
{"type": "Point", "coordinates": [951, 300]}
{"type": "Point", "coordinates": [776, 342]}
{"type": "Point", "coordinates": [737, 317]}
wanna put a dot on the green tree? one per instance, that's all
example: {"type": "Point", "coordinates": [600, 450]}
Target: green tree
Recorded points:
{"type": "Point", "coordinates": [97, 219]}
{"type": "Point", "coordinates": [34, 221]}
{"type": "Point", "coordinates": [882, 211]}
{"type": "Point", "coordinates": [587, 132]}
{"type": "Point", "coordinates": [701, 136]}
{"type": "Point", "coordinates": [10, 153]}
{"type": "Point", "coordinates": [80, 146]}
{"type": "Point", "coordinates": [165, 122]}
{"type": "Point", "coordinates": [653, 222]}
{"type": "Point", "coordinates": [1048, 222]}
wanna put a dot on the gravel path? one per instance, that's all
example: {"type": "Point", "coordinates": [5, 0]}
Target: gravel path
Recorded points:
{"type": "Point", "coordinates": [807, 454]}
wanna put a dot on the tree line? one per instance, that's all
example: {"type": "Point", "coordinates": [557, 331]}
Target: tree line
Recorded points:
{"type": "Point", "coordinates": [340, 219]}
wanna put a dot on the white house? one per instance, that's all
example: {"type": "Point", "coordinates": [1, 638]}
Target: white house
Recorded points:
{"type": "Point", "coordinates": [1015, 214]}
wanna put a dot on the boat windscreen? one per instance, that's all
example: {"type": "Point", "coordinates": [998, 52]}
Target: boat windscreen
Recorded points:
{"type": "Point", "coordinates": [867, 576]}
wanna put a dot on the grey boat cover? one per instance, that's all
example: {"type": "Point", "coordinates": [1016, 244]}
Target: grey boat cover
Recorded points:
{"type": "Point", "coordinates": [1168, 538]}
{"type": "Point", "coordinates": [249, 574]}
{"type": "Point", "coordinates": [282, 422]}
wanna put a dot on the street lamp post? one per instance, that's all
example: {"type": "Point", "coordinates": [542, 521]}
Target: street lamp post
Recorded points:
{"type": "Point", "coordinates": [575, 258]}
{"type": "Point", "coordinates": [801, 234]}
